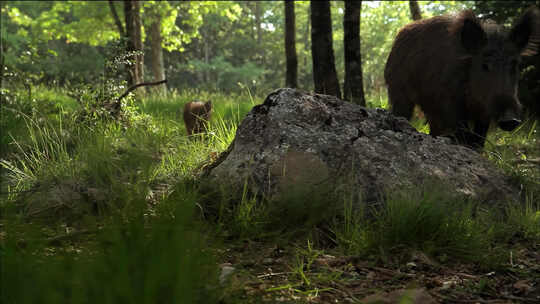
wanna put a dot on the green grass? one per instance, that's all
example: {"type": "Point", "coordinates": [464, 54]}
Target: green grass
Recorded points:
{"type": "Point", "coordinates": [20, 106]}
{"type": "Point", "coordinates": [424, 220]}
{"type": "Point", "coordinates": [524, 219]}
{"type": "Point", "coordinates": [138, 255]}
{"type": "Point", "coordinates": [158, 260]}
{"type": "Point", "coordinates": [430, 222]}
{"type": "Point", "coordinates": [230, 107]}
{"type": "Point", "coordinates": [511, 151]}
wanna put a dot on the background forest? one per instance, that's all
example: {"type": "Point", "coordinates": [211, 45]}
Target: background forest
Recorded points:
{"type": "Point", "coordinates": [210, 45]}
{"type": "Point", "coordinates": [99, 200]}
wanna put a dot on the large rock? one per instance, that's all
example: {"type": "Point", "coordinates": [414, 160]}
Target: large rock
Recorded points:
{"type": "Point", "coordinates": [296, 138]}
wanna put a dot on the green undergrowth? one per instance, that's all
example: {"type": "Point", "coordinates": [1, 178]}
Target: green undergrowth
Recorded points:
{"type": "Point", "coordinates": [230, 107]}
{"type": "Point", "coordinates": [119, 198]}
{"type": "Point", "coordinates": [425, 219]}
{"type": "Point", "coordinates": [518, 154]}
{"type": "Point", "coordinates": [391, 232]}
{"type": "Point", "coordinates": [140, 259]}
{"type": "Point", "coordinates": [108, 156]}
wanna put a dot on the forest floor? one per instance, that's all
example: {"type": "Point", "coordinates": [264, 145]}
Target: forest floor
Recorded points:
{"type": "Point", "coordinates": [268, 273]}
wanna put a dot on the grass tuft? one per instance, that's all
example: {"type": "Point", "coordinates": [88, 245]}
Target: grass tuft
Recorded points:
{"type": "Point", "coordinates": [163, 260]}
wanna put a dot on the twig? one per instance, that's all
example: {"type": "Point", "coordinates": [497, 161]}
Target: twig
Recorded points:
{"type": "Point", "coordinates": [133, 87]}
{"type": "Point", "coordinates": [464, 275]}
{"type": "Point", "coordinates": [273, 274]}
{"type": "Point", "coordinates": [393, 272]}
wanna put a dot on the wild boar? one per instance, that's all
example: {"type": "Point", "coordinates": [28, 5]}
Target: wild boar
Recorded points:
{"type": "Point", "coordinates": [197, 114]}
{"type": "Point", "coordinates": [462, 72]}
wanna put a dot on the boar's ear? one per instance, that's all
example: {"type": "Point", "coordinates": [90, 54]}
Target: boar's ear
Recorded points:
{"type": "Point", "coordinates": [525, 32]}
{"type": "Point", "coordinates": [473, 36]}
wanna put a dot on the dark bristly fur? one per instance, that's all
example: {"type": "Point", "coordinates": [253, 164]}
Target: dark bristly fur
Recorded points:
{"type": "Point", "coordinates": [461, 71]}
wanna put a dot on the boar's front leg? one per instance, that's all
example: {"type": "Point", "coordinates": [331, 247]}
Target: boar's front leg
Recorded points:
{"type": "Point", "coordinates": [463, 135]}
{"type": "Point", "coordinates": [473, 139]}
{"type": "Point", "coordinates": [479, 136]}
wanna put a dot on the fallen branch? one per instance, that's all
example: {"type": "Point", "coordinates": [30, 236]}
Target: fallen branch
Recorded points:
{"type": "Point", "coordinates": [133, 87]}
{"type": "Point", "coordinates": [273, 274]}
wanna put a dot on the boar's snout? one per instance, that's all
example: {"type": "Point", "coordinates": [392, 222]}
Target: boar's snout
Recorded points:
{"type": "Point", "coordinates": [509, 124]}
{"type": "Point", "coordinates": [510, 110]}
{"type": "Point", "coordinates": [509, 120]}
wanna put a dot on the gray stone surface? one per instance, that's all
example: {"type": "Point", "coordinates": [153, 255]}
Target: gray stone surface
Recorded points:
{"type": "Point", "coordinates": [297, 138]}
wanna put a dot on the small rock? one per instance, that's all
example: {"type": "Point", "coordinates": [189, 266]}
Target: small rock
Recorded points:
{"type": "Point", "coordinates": [226, 271]}
{"type": "Point", "coordinates": [411, 265]}
{"type": "Point", "coordinates": [448, 284]}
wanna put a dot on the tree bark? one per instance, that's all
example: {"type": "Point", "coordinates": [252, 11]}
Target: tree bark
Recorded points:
{"type": "Point", "coordinates": [353, 88]}
{"type": "Point", "coordinates": [134, 41]}
{"type": "Point", "coordinates": [206, 37]}
{"type": "Point", "coordinates": [290, 46]}
{"type": "Point", "coordinates": [258, 22]}
{"type": "Point", "coordinates": [324, 70]}
{"type": "Point", "coordinates": [307, 36]}
{"type": "Point", "coordinates": [117, 19]}
{"type": "Point", "coordinates": [415, 10]}
{"type": "Point", "coordinates": [156, 52]}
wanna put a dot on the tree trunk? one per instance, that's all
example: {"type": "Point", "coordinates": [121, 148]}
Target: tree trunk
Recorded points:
{"type": "Point", "coordinates": [353, 89]}
{"type": "Point", "coordinates": [117, 19]}
{"type": "Point", "coordinates": [206, 37]}
{"type": "Point", "coordinates": [324, 70]}
{"type": "Point", "coordinates": [290, 46]}
{"type": "Point", "coordinates": [156, 52]}
{"type": "Point", "coordinates": [415, 10]}
{"type": "Point", "coordinates": [137, 37]}
{"type": "Point", "coordinates": [251, 7]}
{"type": "Point", "coordinates": [134, 41]}
{"type": "Point", "coordinates": [258, 22]}
{"type": "Point", "coordinates": [306, 36]}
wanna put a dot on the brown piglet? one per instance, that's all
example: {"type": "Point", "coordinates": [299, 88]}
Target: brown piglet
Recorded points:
{"type": "Point", "coordinates": [197, 114]}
